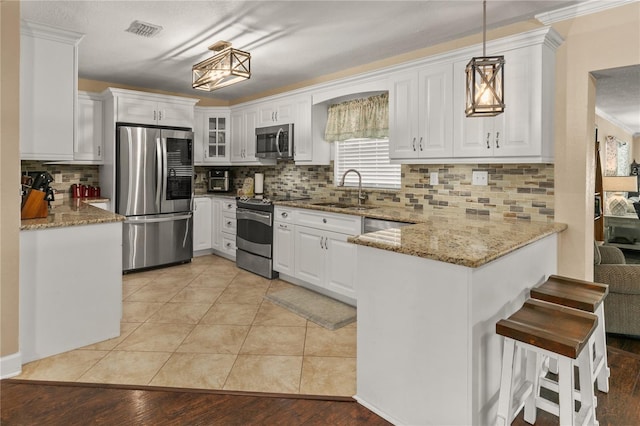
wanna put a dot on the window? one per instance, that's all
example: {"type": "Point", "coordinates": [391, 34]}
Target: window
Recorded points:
{"type": "Point", "coordinates": [371, 158]}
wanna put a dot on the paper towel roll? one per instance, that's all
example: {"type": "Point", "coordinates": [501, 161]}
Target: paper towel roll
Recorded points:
{"type": "Point", "coordinates": [259, 183]}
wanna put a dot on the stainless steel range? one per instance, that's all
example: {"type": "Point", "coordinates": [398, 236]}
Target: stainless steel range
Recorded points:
{"type": "Point", "coordinates": [254, 235]}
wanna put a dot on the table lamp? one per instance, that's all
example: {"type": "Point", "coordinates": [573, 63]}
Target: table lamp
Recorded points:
{"type": "Point", "coordinates": [617, 204]}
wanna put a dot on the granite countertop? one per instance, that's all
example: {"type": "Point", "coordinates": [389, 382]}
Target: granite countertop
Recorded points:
{"type": "Point", "coordinates": [72, 212]}
{"type": "Point", "coordinates": [216, 195]}
{"type": "Point", "coordinates": [460, 239]}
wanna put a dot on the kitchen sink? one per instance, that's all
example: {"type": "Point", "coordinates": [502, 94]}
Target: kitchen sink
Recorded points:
{"type": "Point", "coordinates": [338, 205]}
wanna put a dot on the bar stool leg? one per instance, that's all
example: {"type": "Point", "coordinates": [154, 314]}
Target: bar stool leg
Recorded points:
{"type": "Point", "coordinates": [565, 390]}
{"type": "Point", "coordinates": [534, 367]}
{"type": "Point", "coordinates": [504, 401]}
{"type": "Point", "coordinates": [601, 352]}
{"type": "Point", "coordinates": [587, 395]}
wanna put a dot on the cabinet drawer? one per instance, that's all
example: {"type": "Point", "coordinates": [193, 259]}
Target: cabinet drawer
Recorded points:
{"type": "Point", "coordinates": [335, 222]}
{"type": "Point", "coordinates": [283, 214]}
{"type": "Point", "coordinates": [229, 223]}
{"type": "Point", "coordinates": [229, 244]}
{"type": "Point", "coordinates": [229, 206]}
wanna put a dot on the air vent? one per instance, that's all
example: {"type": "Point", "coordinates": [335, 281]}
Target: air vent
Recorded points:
{"type": "Point", "coordinates": [144, 29]}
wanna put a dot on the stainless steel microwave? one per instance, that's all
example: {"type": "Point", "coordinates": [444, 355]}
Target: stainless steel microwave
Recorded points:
{"type": "Point", "coordinates": [275, 141]}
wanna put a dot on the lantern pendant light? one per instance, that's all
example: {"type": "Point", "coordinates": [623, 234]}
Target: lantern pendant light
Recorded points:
{"type": "Point", "coordinates": [485, 80]}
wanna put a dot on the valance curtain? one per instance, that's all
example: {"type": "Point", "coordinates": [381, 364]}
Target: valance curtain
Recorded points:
{"type": "Point", "coordinates": [359, 118]}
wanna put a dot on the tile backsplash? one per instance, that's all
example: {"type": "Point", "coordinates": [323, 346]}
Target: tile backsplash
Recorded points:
{"type": "Point", "coordinates": [64, 175]}
{"type": "Point", "coordinates": [516, 191]}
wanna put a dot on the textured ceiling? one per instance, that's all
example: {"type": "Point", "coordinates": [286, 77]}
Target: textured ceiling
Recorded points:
{"type": "Point", "coordinates": [290, 41]}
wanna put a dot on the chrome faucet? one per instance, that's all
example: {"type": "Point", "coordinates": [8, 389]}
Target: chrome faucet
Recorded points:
{"type": "Point", "coordinates": [361, 197]}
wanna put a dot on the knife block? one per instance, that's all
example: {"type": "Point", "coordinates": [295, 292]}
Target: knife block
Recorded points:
{"type": "Point", "coordinates": [34, 205]}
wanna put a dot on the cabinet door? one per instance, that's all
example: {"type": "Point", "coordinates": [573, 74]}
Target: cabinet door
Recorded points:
{"type": "Point", "coordinates": [340, 260]}
{"type": "Point", "coordinates": [216, 139]}
{"type": "Point", "coordinates": [237, 137]}
{"type": "Point", "coordinates": [199, 137]}
{"type": "Point", "coordinates": [216, 224]}
{"type": "Point", "coordinates": [473, 136]}
{"type": "Point", "coordinates": [139, 111]}
{"type": "Point", "coordinates": [89, 135]}
{"type": "Point", "coordinates": [48, 88]}
{"type": "Point", "coordinates": [303, 138]}
{"type": "Point", "coordinates": [202, 224]}
{"type": "Point", "coordinates": [283, 248]}
{"type": "Point", "coordinates": [523, 81]}
{"type": "Point", "coordinates": [435, 112]}
{"type": "Point", "coordinates": [250, 124]}
{"type": "Point", "coordinates": [310, 255]}
{"type": "Point", "coordinates": [403, 107]}
{"type": "Point", "coordinates": [272, 113]}
{"type": "Point", "coordinates": [172, 114]}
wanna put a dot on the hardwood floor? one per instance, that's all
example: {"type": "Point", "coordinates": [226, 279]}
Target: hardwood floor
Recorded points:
{"type": "Point", "coordinates": [26, 402]}
{"type": "Point", "coordinates": [49, 403]}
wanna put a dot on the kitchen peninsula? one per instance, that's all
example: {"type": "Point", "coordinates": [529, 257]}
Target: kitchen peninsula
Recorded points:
{"type": "Point", "coordinates": [428, 297]}
{"type": "Point", "coordinates": [70, 278]}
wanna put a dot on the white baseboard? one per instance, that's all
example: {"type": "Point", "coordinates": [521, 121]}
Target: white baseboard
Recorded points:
{"type": "Point", "coordinates": [377, 411]}
{"type": "Point", "coordinates": [10, 365]}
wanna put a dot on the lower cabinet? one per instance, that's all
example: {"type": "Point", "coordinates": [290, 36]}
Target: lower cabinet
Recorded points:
{"type": "Point", "coordinates": [312, 247]}
{"type": "Point", "coordinates": [227, 230]}
{"type": "Point", "coordinates": [202, 221]}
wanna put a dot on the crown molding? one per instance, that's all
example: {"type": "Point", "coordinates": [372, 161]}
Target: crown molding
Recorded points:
{"type": "Point", "coordinates": [615, 122]}
{"type": "Point", "coordinates": [584, 8]}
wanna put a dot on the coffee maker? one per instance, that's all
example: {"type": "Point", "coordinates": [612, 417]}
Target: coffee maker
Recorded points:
{"type": "Point", "coordinates": [219, 180]}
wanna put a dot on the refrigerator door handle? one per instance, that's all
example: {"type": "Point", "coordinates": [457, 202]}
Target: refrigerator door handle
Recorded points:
{"type": "Point", "coordinates": [135, 220]}
{"type": "Point", "coordinates": [186, 234]}
{"type": "Point", "coordinates": [159, 174]}
{"type": "Point", "coordinates": [165, 171]}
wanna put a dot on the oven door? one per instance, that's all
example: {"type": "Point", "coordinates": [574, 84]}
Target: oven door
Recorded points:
{"type": "Point", "coordinates": [254, 232]}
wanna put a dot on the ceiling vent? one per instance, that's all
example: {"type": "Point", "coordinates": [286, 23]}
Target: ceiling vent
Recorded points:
{"type": "Point", "coordinates": [144, 29]}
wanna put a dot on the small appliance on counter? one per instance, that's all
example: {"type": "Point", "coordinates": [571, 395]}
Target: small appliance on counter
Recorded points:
{"type": "Point", "coordinates": [219, 180]}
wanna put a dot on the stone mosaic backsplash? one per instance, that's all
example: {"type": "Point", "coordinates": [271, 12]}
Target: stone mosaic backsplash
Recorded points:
{"type": "Point", "coordinates": [64, 175]}
{"type": "Point", "coordinates": [515, 191]}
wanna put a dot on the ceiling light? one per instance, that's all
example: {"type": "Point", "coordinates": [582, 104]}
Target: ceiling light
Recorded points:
{"type": "Point", "coordinates": [227, 67]}
{"type": "Point", "coordinates": [485, 80]}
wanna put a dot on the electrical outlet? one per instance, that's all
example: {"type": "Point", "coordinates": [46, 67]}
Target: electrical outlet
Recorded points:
{"type": "Point", "coordinates": [479, 178]}
{"type": "Point", "coordinates": [433, 178]}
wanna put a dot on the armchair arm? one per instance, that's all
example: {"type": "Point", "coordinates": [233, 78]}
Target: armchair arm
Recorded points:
{"type": "Point", "coordinates": [611, 255]}
{"type": "Point", "coordinates": [620, 278]}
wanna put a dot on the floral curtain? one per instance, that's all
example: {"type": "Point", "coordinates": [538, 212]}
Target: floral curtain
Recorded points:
{"type": "Point", "coordinates": [359, 118]}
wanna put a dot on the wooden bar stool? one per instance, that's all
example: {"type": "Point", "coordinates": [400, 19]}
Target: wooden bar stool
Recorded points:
{"type": "Point", "coordinates": [588, 297]}
{"type": "Point", "coordinates": [542, 329]}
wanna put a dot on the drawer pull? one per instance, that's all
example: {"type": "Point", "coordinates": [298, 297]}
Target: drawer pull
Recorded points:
{"type": "Point", "coordinates": [284, 214]}
{"type": "Point", "coordinates": [324, 220]}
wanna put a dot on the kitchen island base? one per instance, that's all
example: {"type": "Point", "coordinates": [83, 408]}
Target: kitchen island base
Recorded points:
{"type": "Point", "coordinates": [70, 288]}
{"type": "Point", "coordinates": [428, 353]}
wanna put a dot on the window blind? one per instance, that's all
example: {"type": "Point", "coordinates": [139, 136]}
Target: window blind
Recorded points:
{"type": "Point", "coordinates": [371, 158]}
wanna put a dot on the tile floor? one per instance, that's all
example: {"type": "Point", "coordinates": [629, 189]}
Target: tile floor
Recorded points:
{"type": "Point", "coordinates": [206, 325]}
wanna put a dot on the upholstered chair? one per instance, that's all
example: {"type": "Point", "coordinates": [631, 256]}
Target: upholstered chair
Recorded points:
{"type": "Point", "coordinates": [622, 305]}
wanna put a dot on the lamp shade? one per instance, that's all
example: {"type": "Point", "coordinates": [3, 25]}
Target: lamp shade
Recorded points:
{"type": "Point", "coordinates": [620, 183]}
{"type": "Point", "coordinates": [227, 67]}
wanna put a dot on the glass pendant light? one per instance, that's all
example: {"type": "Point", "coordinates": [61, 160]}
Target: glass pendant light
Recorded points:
{"type": "Point", "coordinates": [485, 80]}
{"type": "Point", "coordinates": [228, 66]}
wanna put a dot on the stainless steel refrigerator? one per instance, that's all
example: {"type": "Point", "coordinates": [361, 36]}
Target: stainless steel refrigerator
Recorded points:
{"type": "Point", "coordinates": [154, 181]}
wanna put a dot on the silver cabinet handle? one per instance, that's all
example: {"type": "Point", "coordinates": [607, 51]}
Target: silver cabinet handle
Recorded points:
{"type": "Point", "coordinates": [321, 238]}
{"type": "Point", "coordinates": [160, 115]}
{"type": "Point", "coordinates": [283, 226]}
{"type": "Point", "coordinates": [413, 144]}
{"type": "Point", "coordinates": [420, 143]}
{"type": "Point", "coordinates": [229, 223]}
{"type": "Point", "coordinates": [324, 220]}
{"type": "Point", "coordinates": [99, 150]}
{"type": "Point", "coordinates": [488, 136]}
{"type": "Point", "coordinates": [284, 214]}
{"type": "Point", "coordinates": [276, 115]}
{"type": "Point", "coordinates": [497, 139]}
{"type": "Point", "coordinates": [228, 245]}
{"type": "Point", "coordinates": [155, 115]}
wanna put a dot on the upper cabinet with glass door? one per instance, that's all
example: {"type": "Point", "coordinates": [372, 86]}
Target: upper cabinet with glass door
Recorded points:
{"type": "Point", "coordinates": [212, 136]}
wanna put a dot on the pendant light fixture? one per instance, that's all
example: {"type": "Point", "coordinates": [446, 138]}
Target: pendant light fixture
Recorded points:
{"type": "Point", "coordinates": [228, 66]}
{"type": "Point", "coordinates": [485, 80]}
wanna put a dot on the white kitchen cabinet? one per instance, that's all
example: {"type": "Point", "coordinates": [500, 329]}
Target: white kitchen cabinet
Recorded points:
{"type": "Point", "coordinates": [202, 224]}
{"type": "Point", "coordinates": [311, 248]}
{"type": "Point", "coordinates": [212, 136]}
{"type": "Point", "coordinates": [216, 229]}
{"type": "Point", "coordinates": [524, 132]}
{"type": "Point", "coordinates": [88, 144]}
{"type": "Point", "coordinates": [48, 92]}
{"type": "Point", "coordinates": [154, 109]}
{"type": "Point", "coordinates": [272, 113]}
{"type": "Point", "coordinates": [309, 146]}
{"type": "Point", "coordinates": [421, 113]}
{"type": "Point", "coordinates": [243, 137]}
